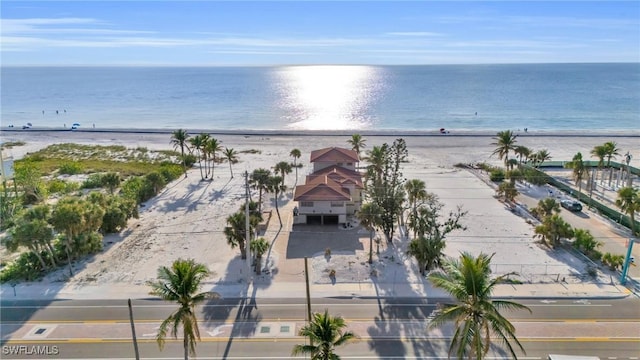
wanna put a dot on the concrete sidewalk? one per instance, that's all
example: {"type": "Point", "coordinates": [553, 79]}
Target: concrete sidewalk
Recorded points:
{"type": "Point", "coordinates": [297, 290]}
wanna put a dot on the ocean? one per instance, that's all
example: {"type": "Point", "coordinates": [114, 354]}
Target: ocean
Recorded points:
{"type": "Point", "coordinates": [573, 97]}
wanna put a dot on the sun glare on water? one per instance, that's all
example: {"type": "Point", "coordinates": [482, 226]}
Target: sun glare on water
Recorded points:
{"type": "Point", "coordinates": [327, 97]}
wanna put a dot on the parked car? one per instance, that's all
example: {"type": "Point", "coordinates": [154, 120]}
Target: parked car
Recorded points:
{"type": "Point", "coordinates": [571, 205]}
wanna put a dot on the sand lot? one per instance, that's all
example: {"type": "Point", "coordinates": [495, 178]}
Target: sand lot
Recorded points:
{"type": "Point", "coordinates": [187, 218]}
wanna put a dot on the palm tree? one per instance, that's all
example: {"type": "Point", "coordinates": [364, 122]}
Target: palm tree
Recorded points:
{"type": "Point", "coordinates": [611, 150]}
{"type": "Point", "coordinates": [326, 333]}
{"type": "Point", "coordinates": [283, 168]}
{"type": "Point", "coordinates": [476, 315]}
{"type": "Point", "coordinates": [212, 147]}
{"type": "Point", "coordinates": [376, 159]}
{"type": "Point", "coordinates": [428, 252]}
{"type": "Point", "coordinates": [546, 207]}
{"type": "Point", "coordinates": [276, 186]}
{"type": "Point", "coordinates": [231, 156]}
{"type": "Point", "coordinates": [505, 141]}
{"type": "Point", "coordinates": [541, 156]}
{"type": "Point", "coordinates": [552, 229]}
{"type": "Point", "coordinates": [430, 233]}
{"type": "Point", "coordinates": [600, 152]}
{"type": "Point", "coordinates": [41, 214]}
{"type": "Point", "coordinates": [259, 180]}
{"type": "Point", "coordinates": [522, 152]}
{"type": "Point", "coordinates": [368, 217]}
{"type": "Point", "coordinates": [235, 232]}
{"type": "Point", "coordinates": [111, 180]}
{"type": "Point", "coordinates": [67, 218]}
{"type": "Point", "coordinates": [198, 143]}
{"type": "Point", "coordinates": [179, 140]}
{"type": "Point", "coordinates": [580, 171]}
{"type": "Point", "coordinates": [155, 180]}
{"type": "Point", "coordinates": [295, 153]}
{"type": "Point", "coordinates": [32, 233]}
{"type": "Point", "coordinates": [357, 143]}
{"type": "Point", "coordinates": [416, 191]}
{"type": "Point", "coordinates": [258, 247]}
{"type": "Point", "coordinates": [629, 202]}
{"type": "Point", "coordinates": [584, 241]}
{"type": "Point", "coordinates": [181, 284]}
{"type": "Point", "coordinates": [508, 192]}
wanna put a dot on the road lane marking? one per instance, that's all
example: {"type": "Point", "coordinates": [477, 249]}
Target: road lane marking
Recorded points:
{"type": "Point", "coordinates": [408, 339]}
{"type": "Point", "coordinates": [303, 319]}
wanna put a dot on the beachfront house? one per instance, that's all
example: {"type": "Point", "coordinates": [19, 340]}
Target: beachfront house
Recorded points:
{"type": "Point", "coordinates": [333, 191]}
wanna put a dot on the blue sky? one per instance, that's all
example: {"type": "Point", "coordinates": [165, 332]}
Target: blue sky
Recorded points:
{"type": "Point", "coordinates": [328, 32]}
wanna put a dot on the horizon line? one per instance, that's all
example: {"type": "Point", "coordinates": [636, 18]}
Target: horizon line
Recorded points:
{"type": "Point", "coordinates": [318, 64]}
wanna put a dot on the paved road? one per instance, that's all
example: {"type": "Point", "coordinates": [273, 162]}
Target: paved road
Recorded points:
{"type": "Point", "coordinates": [267, 328]}
{"type": "Point", "coordinates": [613, 238]}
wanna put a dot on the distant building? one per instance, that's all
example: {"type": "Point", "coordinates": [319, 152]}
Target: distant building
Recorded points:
{"type": "Point", "coordinates": [333, 191]}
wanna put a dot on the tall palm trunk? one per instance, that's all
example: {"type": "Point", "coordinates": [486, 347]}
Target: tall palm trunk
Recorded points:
{"type": "Point", "coordinates": [200, 164]}
{"type": "Point", "coordinates": [34, 249]}
{"type": "Point", "coordinates": [371, 246]}
{"type": "Point", "coordinates": [51, 253]}
{"type": "Point", "coordinates": [258, 264]}
{"type": "Point", "coordinates": [243, 248]}
{"type": "Point", "coordinates": [185, 342]}
{"type": "Point", "coordinates": [67, 250]}
{"type": "Point", "coordinates": [277, 210]}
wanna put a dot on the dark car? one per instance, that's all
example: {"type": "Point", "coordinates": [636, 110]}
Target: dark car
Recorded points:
{"type": "Point", "coordinates": [571, 205]}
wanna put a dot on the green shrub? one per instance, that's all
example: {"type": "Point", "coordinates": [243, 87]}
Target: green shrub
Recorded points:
{"type": "Point", "coordinates": [535, 177]}
{"type": "Point", "coordinates": [595, 255]}
{"type": "Point", "coordinates": [515, 175]}
{"type": "Point", "coordinates": [26, 267]}
{"type": "Point", "coordinates": [110, 180]}
{"type": "Point", "coordinates": [34, 195]}
{"type": "Point", "coordinates": [170, 172]}
{"type": "Point", "coordinates": [94, 181]}
{"type": "Point", "coordinates": [138, 189]}
{"type": "Point", "coordinates": [189, 160]}
{"type": "Point", "coordinates": [71, 168]}
{"type": "Point", "coordinates": [496, 175]}
{"type": "Point", "coordinates": [117, 212]}
{"type": "Point", "coordinates": [156, 181]}
{"type": "Point", "coordinates": [85, 244]}
{"type": "Point", "coordinates": [57, 186]}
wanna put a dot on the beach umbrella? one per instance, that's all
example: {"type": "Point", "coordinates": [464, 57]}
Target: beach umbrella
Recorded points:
{"type": "Point", "coordinates": [29, 124]}
{"type": "Point", "coordinates": [76, 124]}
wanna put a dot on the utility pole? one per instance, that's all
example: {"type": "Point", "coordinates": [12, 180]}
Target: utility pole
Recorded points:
{"type": "Point", "coordinates": [592, 183]}
{"type": "Point", "coordinates": [247, 225]}
{"type": "Point", "coordinates": [306, 278]}
{"type": "Point", "coordinates": [133, 332]}
{"type": "Point", "coordinates": [627, 158]}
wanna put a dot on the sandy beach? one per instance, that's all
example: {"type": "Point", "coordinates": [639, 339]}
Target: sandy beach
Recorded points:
{"type": "Point", "coordinates": [187, 218]}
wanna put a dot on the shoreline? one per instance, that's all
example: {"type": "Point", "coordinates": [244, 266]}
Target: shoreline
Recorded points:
{"type": "Point", "coordinates": [385, 133]}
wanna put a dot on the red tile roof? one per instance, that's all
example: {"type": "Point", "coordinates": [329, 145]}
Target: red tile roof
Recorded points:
{"type": "Point", "coordinates": [321, 188]}
{"type": "Point", "coordinates": [340, 175]}
{"type": "Point", "coordinates": [334, 154]}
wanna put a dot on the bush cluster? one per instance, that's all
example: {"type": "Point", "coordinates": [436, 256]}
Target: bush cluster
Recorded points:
{"type": "Point", "coordinates": [115, 211]}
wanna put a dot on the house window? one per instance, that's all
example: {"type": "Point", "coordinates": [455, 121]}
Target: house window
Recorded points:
{"type": "Point", "coordinates": [349, 164]}
{"type": "Point", "coordinates": [306, 203]}
{"type": "Point", "coordinates": [337, 204]}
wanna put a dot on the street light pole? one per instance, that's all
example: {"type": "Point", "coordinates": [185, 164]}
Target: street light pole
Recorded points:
{"type": "Point", "coordinates": [627, 261]}
{"type": "Point", "coordinates": [247, 224]}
